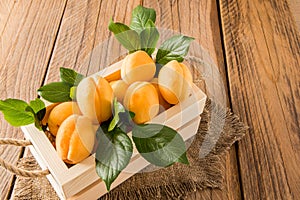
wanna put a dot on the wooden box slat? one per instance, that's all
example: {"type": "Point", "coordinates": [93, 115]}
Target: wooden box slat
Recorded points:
{"type": "Point", "coordinates": [98, 188]}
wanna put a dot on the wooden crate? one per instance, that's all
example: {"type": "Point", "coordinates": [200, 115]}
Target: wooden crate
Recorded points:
{"type": "Point", "coordinates": [81, 181]}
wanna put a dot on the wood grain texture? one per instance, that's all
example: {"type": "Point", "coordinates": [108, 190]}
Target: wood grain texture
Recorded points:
{"type": "Point", "coordinates": [82, 41]}
{"type": "Point", "coordinates": [199, 19]}
{"type": "Point", "coordinates": [27, 37]}
{"type": "Point", "coordinates": [295, 8]}
{"type": "Point", "coordinates": [263, 54]}
{"type": "Point", "coordinates": [6, 6]}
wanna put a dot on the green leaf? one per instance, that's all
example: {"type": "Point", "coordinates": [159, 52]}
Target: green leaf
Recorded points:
{"type": "Point", "coordinates": [37, 123]}
{"type": "Point", "coordinates": [122, 118]}
{"type": "Point", "coordinates": [117, 27]}
{"type": "Point", "coordinates": [112, 155]}
{"type": "Point", "coordinates": [73, 93]}
{"type": "Point", "coordinates": [158, 68]}
{"type": "Point", "coordinates": [149, 37]}
{"type": "Point", "coordinates": [159, 144]}
{"type": "Point", "coordinates": [128, 38]}
{"type": "Point", "coordinates": [175, 48]}
{"type": "Point", "coordinates": [56, 92]}
{"type": "Point", "coordinates": [16, 112]}
{"type": "Point", "coordinates": [40, 115]}
{"type": "Point", "coordinates": [37, 105]}
{"type": "Point", "coordinates": [70, 76]}
{"type": "Point", "coordinates": [126, 123]}
{"type": "Point", "coordinates": [117, 108]}
{"type": "Point", "coordinates": [131, 114]}
{"type": "Point", "coordinates": [140, 17]}
{"type": "Point", "coordinates": [104, 129]}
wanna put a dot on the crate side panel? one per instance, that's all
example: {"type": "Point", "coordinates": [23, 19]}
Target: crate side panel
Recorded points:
{"type": "Point", "coordinates": [98, 189]}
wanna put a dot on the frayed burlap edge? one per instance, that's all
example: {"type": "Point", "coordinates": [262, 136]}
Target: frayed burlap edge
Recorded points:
{"type": "Point", "coordinates": [212, 168]}
{"type": "Point", "coordinates": [32, 188]}
{"type": "Point", "coordinates": [233, 130]}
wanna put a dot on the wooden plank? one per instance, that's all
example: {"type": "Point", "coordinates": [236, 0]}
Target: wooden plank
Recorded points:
{"type": "Point", "coordinates": [263, 54]}
{"type": "Point", "coordinates": [295, 8]}
{"type": "Point", "coordinates": [26, 44]}
{"type": "Point", "coordinates": [76, 37]}
{"type": "Point", "coordinates": [6, 6]}
{"type": "Point", "coordinates": [82, 40]}
{"type": "Point", "coordinates": [12, 22]}
{"type": "Point", "coordinates": [199, 19]}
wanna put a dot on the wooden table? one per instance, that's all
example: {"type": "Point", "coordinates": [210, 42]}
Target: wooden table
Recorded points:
{"type": "Point", "coordinates": [260, 69]}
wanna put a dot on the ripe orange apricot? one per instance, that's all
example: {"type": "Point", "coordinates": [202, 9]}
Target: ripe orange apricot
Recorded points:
{"type": "Point", "coordinates": [119, 87]}
{"type": "Point", "coordinates": [75, 139]}
{"type": "Point", "coordinates": [142, 99]}
{"type": "Point", "coordinates": [94, 97]}
{"type": "Point", "coordinates": [164, 105]}
{"type": "Point", "coordinates": [175, 80]}
{"type": "Point", "coordinates": [113, 76]}
{"type": "Point", "coordinates": [137, 66]}
{"type": "Point", "coordinates": [49, 108]}
{"type": "Point", "coordinates": [59, 113]}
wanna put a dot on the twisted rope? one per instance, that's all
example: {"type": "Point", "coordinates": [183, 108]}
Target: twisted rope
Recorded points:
{"type": "Point", "coordinates": [16, 170]}
{"type": "Point", "coordinates": [8, 141]}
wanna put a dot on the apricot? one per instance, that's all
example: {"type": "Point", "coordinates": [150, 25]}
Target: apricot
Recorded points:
{"type": "Point", "coordinates": [113, 76]}
{"type": "Point", "coordinates": [175, 80]}
{"type": "Point", "coordinates": [75, 139]}
{"type": "Point", "coordinates": [119, 87]}
{"type": "Point", "coordinates": [142, 99]}
{"type": "Point", "coordinates": [49, 108]}
{"type": "Point", "coordinates": [164, 105]}
{"type": "Point", "coordinates": [137, 66]}
{"type": "Point", "coordinates": [94, 97]}
{"type": "Point", "coordinates": [59, 113]}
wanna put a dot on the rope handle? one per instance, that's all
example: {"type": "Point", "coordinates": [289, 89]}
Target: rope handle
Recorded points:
{"type": "Point", "coordinates": [16, 170]}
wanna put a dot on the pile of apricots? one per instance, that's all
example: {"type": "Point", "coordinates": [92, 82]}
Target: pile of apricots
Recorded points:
{"type": "Point", "coordinates": [74, 124]}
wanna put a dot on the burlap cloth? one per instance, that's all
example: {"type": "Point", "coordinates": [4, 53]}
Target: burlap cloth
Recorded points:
{"type": "Point", "coordinates": [205, 170]}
